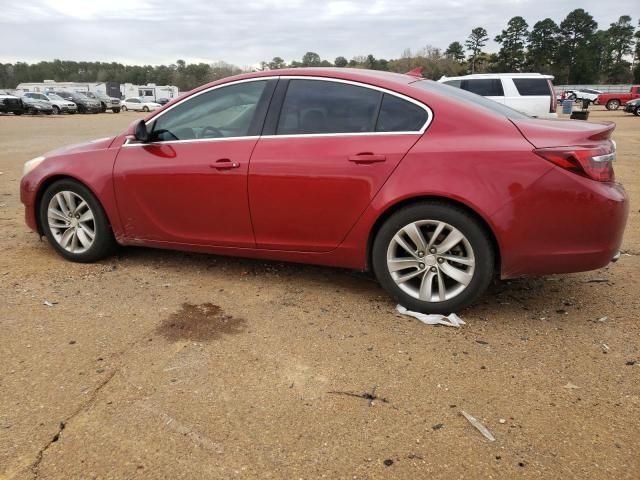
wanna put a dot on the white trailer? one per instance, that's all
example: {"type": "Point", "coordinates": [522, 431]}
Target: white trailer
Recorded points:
{"type": "Point", "coordinates": [150, 92]}
{"type": "Point", "coordinates": [111, 89]}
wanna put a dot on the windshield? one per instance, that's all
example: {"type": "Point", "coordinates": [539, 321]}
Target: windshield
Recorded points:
{"type": "Point", "coordinates": [53, 96]}
{"type": "Point", "coordinates": [79, 96]}
{"type": "Point", "coordinates": [468, 97]}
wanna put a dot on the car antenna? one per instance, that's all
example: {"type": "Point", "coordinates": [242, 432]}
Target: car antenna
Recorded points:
{"type": "Point", "coordinates": [416, 72]}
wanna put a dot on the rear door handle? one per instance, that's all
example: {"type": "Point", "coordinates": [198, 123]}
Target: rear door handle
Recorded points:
{"type": "Point", "coordinates": [224, 164]}
{"type": "Point", "coordinates": [366, 158]}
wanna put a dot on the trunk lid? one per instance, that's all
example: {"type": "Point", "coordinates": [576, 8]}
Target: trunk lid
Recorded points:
{"type": "Point", "coordinates": [560, 133]}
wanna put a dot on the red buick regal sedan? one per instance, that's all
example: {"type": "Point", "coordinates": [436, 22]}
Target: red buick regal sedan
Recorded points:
{"type": "Point", "coordinates": [435, 189]}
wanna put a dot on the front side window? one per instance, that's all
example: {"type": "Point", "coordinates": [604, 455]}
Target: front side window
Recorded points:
{"type": "Point", "coordinates": [398, 115]}
{"type": "Point", "coordinates": [532, 86]}
{"type": "Point", "coordinates": [219, 113]}
{"type": "Point", "coordinates": [487, 87]}
{"type": "Point", "coordinates": [318, 106]}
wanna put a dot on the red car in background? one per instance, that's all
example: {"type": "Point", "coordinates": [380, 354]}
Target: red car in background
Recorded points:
{"type": "Point", "coordinates": [613, 100]}
{"type": "Point", "coordinates": [433, 188]}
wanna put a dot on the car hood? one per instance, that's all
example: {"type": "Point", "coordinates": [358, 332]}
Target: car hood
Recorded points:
{"type": "Point", "coordinates": [91, 145]}
{"type": "Point", "coordinates": [633, 102]}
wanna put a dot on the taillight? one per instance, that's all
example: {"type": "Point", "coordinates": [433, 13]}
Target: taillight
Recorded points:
{"type": "Point", "coordinates": [591, 162]}
{"type": "Point", "coordinates": [554, 102]}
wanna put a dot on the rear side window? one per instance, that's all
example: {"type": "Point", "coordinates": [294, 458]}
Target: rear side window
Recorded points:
{"type": "Point", "coordinates": [398, 115]}
{"type": "Point", "coordinates": [529, 87]}
{"type": "Point", "coordinates": [453, 83]}
{"type": "Point", "coordinates": [318, 106]}
{"type": "Point", "coordinates": [487, 87]}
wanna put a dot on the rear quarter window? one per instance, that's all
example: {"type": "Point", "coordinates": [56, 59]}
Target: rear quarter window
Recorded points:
{"type": "Point", "coordinates": [398, 115]}
{"type": "Point", "coordinates": [529, 87]}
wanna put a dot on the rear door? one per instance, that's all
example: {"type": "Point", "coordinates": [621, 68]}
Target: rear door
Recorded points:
{"type": "Point", "coordinates": [327, 148]}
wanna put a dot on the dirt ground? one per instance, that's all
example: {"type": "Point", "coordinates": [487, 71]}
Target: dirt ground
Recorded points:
{"type": "Point", "coordinates": [157, 364]}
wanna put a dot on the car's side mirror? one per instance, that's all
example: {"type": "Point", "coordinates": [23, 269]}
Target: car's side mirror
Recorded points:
{"type": "Point", "coordinates": [140, 132]}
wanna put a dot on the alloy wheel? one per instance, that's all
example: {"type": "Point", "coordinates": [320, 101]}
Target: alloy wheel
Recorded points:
{"type": "Point", "coordinates": [431, 260]}
{"type": "Point", "coordinates": [71, 221]}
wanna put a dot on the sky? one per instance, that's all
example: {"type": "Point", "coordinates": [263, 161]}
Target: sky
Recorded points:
{"type": "Point", "coordinates": [245, 32]}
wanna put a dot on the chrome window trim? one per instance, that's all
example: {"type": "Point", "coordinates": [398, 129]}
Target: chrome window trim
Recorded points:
{"type": "Point", "coordinates": [426, 125]}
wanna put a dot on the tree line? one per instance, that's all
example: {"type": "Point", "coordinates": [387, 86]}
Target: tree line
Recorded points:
{"type": "Point", "coordinates": [575, 51]}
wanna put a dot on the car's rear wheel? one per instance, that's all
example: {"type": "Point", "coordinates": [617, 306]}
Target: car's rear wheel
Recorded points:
{"type": "Point", "coordinates": [74, 222]}
{"type": "Point", "coordinates": [613, 104]}
{"type": "Point", "coordinates": [433, 257]}
{"type": "Point", "coordinates": [124, 108]}
{"type": "Point", "coordinates": [145, 109]}
{"type": "Point", "coordinates": [636, 112]}
{"type": "Point", "coordinates": [115, 110]}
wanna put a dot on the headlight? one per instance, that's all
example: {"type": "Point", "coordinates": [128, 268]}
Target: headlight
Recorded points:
{"type": "Point", "coordinates": [31, 164]}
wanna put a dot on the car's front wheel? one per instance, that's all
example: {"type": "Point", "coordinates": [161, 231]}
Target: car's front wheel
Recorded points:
{"type": "Point", "coordinates": [433, 257]}
{"type": "Point", "coordinates": [75, 223]}
{"type": "Point", "coordinates": [636, 111]}
{"type": "Point", "coordinates": [124, 108]}
{"type": "Point", "coordinates": [145, 109]}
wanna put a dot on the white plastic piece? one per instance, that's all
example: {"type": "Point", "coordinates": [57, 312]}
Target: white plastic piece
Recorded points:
{"type": "Point", "coordinates": [451, 320]}
{"type": "Point", "coordinates": [481, 428]}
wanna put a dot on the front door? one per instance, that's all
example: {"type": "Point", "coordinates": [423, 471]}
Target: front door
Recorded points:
{"type": "Point", "coordinates": [189, 184]}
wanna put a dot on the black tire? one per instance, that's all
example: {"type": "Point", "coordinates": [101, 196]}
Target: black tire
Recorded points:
{"type": "Point", "coordinates": [613, 104]}
{"type": "Point", "coordinates": [124, 108]}
{"type": "Point", "coordinates": [56, 110]}
{"type": "Point", "coordinates": [82, 109]}
{"type": "Point", "coordinates": [145, 109]}
{"type": "Point", "coordinates": [115, 110]}
{"type": "Point", "coordinates": [636, 112]}
{"type": "Point", "coordinates": [104, 242]}
{"type": "Point", "coordinates": [456, 217]}
{"type": "Point", "coordinates": [18, 112]}
{"type": "Point", "coordinates": [103, 107]}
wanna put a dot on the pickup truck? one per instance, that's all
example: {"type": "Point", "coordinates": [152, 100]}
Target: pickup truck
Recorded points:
{"type": "Point", "coordinates": [613, 100]}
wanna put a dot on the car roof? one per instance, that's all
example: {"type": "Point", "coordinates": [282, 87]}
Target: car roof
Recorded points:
{"type": "Point", "coordinates": [372, 77]}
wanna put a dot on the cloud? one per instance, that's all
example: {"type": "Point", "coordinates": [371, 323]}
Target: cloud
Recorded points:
{"type": "Point", "coordinates": [246, 32]}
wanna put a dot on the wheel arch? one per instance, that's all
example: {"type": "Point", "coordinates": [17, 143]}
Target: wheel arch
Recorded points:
{"type": "Point", "coordinates": [46, 183]}
{"type": "Point", "coordinates": [391, 209]}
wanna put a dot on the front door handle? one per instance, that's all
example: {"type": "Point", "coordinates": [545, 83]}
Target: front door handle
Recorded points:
{"type": "Point", "coordinates": [224, 164]}
{"type": "Point", "coordinates": [367, 158]}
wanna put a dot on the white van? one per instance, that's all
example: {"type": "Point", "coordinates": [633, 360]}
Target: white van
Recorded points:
{"type": "Point", "coordinates": [529, 93]}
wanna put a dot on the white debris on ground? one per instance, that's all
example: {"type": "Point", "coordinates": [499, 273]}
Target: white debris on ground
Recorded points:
{"type": "Point", "coordinates": [481, 428]}
{"type": "Point", "coordinates": [451, 320]}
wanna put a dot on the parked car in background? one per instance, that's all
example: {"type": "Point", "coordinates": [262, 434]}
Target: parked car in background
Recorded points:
{"type": "Point", "coordinates": [163, 101]}
{"type": "Point", "coordinates": [139, 104]}
{"type": "Point", "coordinates": [84, 103]}
{"type": "Point", "coordinates": [10, 103]}
{"type": "Point", "coordinates": [529, 93]}
{"type": "Point", "coordinates": [106, 102]}
{"type": "Point", "coordinates": [585, 94]}
{"type": "Point", "coordinates": [35, 106]}
{"type": "Point", "coordinates": [633, 106]}
{"type": "Point", "coordinates": [433, 188]}
{"type": "Point", "coordinates": [59, 104]}
{"type": "Point", "coordinates": [613, 100]}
